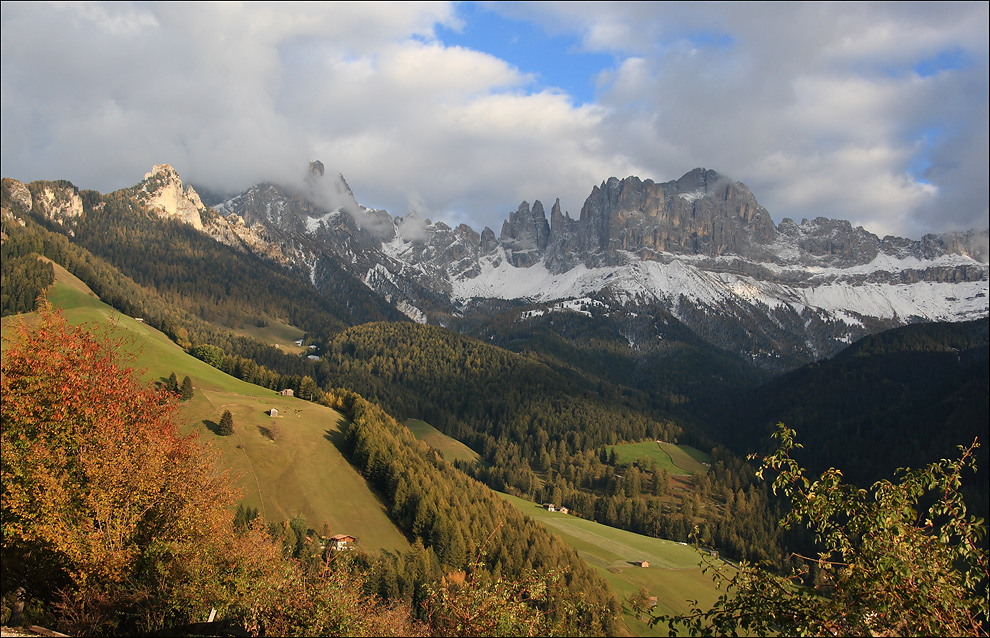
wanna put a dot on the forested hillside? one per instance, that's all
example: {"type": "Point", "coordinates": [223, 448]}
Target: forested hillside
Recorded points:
{"type": "Point", "coordinates": [643, 356]}
{"type": "Point", "coordinates": [545, 435]}
{"type": "Point", "coordinates": [460, 520]}
{"type": "Point", "coordinates": [902, 398]}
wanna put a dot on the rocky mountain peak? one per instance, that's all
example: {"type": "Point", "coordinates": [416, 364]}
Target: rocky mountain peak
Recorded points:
{"type": "Point", "coordinates": [161, 192]}
{"type": "Point", "coordinates": [700, 182]}
{"type": "Point", "coordinates": [525, 234]}
{"type": "Point", "coordinates": [702, 213]}
{"type": "Point", "coordinates": [164, 172]}
{"type": "Point", "coordinates": [698, 246]}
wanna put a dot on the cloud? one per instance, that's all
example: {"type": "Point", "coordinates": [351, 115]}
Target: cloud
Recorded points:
{"type": "Point", "coordinates": [874, 113]}
{"type": "Point", "coordinates": [413, 228]}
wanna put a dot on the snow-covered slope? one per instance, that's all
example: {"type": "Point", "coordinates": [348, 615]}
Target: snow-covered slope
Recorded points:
{"type": "Point", "coordinates": [668, 283]}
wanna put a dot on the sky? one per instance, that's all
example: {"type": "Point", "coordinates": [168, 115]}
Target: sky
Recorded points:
{"type": "Point", "coordinates": [875, 113]}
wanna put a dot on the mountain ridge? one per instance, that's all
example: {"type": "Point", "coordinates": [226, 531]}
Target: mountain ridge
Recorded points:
{"type": "Point", "coordinates": [698, 247]}
{"type": "Point", "coordinates": [701, 248]}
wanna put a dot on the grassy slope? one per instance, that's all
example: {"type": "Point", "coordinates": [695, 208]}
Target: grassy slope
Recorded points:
{"type": "Point", "coordinates": [674, 575]}
{"type": "Point", "coordinates": [676, 459]}
{"type": "Point", "coordinates": [302, 473]}
{"type": "Point", "coordinates": [451, 449]}
{"type": "Point", "coordinates": [277, 333]}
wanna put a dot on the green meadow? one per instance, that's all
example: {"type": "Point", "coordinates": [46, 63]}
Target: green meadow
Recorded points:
{"type": "Point", "coordinates": [451, 449]}
{"type": "Point", "coordinates": [276, 333]}
{"type": "Point", "coordinates": [301, 472]}
{"type": "Point", "coordinates": [674, 574]}
{"type": "Point", "coordinates": [676, 459]}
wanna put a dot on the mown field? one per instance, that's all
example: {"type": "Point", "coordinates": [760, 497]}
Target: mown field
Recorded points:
{"type": "Point", "coordinates": [302, 472]}
{"type": "Point", "coordinates": [451, 449]}
{"type": "Point", "coordinates": [674, 575]}
{"type": "Point", "coordinates": [681, 460]}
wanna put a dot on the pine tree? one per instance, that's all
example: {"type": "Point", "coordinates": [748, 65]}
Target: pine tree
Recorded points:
{"type": "Point", "coordinates": [226, 424]}
{"type": "Point", "coordinates": [173, 383]}
{"type": "Point", "coordinates": [187, 388]}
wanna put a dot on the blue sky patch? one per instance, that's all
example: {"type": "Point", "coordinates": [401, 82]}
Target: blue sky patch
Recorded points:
{"type": "Point", "coordinates": [948, 60]}
{"type": "Point", "coordinates": [556, 61]}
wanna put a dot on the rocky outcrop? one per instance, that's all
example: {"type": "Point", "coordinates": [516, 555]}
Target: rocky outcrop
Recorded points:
{"type": "Point", "coordinates": [564, 249]}
{"type": "Point", "coordinates": [56, 201]}
{"type": "Point", "coordinates": [525, 235]}
{"type": "Point", "coordinates": [19, 193]}
{"type": "Point", "coordinates": [702, 213]}
{"type": "Point", "coordinates": [258, 239]}
{"type": "Point", "coordinates": [828, 242]}
{"type": "Point", "coordinates": [973, 243]}
{"type": "Point", "coordinates": [161, 192]}
{"type": "Point", "coordinates": [272, 206]}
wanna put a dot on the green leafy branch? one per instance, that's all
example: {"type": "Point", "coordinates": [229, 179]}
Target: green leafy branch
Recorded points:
{"type": "Point", "coordinates": [888, 565]}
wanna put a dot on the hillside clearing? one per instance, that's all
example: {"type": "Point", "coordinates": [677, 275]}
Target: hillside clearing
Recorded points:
{"type": "Point", "coordinates": [681, 460]}
{"type": "Point", "coordinates": [451, 449]}
{"type": "Point", "coordinates": [674, 575]}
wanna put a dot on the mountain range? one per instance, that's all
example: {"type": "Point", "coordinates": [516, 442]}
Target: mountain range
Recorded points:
{"type": "Point", "coordinates": [663, 312]}
{"type": "Point", "coordinates": [700, 250]}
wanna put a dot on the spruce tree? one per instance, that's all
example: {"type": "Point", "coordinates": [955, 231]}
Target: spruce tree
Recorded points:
{"type": "Point", "coordinates": [173, 383]}
{"type": "Point", "coordinates": [187, 388]}
{"type": "Point", "coordinates": [226, 424]}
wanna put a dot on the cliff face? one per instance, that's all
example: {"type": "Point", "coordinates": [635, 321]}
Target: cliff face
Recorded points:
{"type": "Point", "coordinates": [525, 235]}
{"type": "Point", "coordinates": [55, 201]}
{"type": "Point", "coordinates": [702, 213]}
{"type": "Point", "coordinates": [161, 192]}
{"type": "Point", "coordinates": [713, 220]}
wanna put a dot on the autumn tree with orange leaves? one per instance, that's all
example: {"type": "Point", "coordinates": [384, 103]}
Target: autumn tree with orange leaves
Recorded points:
{"type": "Point", "coordinates": [104, 504]}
